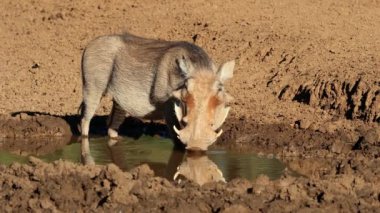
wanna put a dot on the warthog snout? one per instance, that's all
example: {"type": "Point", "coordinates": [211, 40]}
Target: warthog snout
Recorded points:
{"type": "Point", "coordinates": [202, 106]}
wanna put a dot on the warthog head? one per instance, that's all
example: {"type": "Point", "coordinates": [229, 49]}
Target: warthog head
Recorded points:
{"type": "Point", "coordinates": [202, 106]}
{"type": "Point", "coordinates": [200, 169]}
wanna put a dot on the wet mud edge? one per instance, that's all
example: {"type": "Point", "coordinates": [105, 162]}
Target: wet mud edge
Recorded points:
{"type": "Point", "coordinates": [339, 170]}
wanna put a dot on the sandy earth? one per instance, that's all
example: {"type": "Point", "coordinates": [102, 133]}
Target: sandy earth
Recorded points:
{"type": "Point", "coordinates": [306, 88]}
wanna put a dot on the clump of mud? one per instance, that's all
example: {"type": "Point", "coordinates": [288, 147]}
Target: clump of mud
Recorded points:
{"type": "Point", "coordinates": [27, 125]}
{"type": "Point", "coordinates": [25, 133]}
{"type": "Point", "coordinates": [65, 186]}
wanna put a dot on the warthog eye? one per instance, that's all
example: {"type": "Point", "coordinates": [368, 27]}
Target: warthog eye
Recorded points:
{"type": "Point", "coordinates": [180, 93]}
{"type": "Point", "coordinates": [220, 87]}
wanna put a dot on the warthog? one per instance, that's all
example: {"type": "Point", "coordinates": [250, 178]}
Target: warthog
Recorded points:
{"type": "Point", "coordinates": [155, 79]}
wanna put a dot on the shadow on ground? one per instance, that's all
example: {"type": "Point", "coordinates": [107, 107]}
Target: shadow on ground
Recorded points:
{"type": "Point", "coordinates": [132, 127]}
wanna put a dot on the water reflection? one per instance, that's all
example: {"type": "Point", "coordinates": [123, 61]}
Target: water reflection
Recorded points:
{"type": "Point", "coordinates": [198, 168]}
{"type": "Point", "coordinates": [175, 164]}
{"type": "Point", "coordinates": [160, 154]}
{"type": "Point", "coordinates": [182, 165]}
{"type": "Point", "coordinates": [86, 156]}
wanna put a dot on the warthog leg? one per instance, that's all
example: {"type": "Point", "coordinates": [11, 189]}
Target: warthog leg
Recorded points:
{"type": "Point", "coordinates": [115, 119]}
{"type": "Point", "coordinates": [90, 104]}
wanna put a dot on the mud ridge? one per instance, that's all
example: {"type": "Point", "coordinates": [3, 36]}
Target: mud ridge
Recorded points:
{"type": "Point", "coordinates": [301, 140]}
{"type": "Point", "coordinates": [354, 100]}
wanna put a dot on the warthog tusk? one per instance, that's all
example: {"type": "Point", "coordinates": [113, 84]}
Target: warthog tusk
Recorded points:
{"type": "Point", "coordinates": [221, 175]}
{"type": "Point", "coordinates": [176, 130]}
{"type": "Point", "coordinates": [219, 133]}
{"type": "Point", "coordinates": [178, 112]}
{"type": "Point", "coordinates": [176, 175]}
{"type": "Point", "coordinates": [220, 117]}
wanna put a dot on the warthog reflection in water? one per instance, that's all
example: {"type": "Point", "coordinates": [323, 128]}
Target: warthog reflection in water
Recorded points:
{"type": "Point", "coordinates": [194, 167]}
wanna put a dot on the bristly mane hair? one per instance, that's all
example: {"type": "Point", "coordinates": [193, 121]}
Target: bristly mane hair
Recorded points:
{"type": "Point", "coordinates": [197, 56]}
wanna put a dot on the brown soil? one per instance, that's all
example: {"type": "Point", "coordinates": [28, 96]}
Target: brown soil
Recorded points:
{"type": "Point", "coordinates": [306, 88]}
{"type": "Point", "coordinates": [70, 187]}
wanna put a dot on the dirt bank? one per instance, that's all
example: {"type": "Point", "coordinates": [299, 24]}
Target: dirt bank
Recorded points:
{"type": "Point", "coordinates": [306, 90]}
{"type": "Point", "coordinates": [65, 186]}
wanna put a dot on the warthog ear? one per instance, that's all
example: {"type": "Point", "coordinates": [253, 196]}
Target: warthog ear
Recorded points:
{"type": "Point", "coordinates": [220, 116]}
{"type": "Point", "coordinates": [185, 67]}
{"type": "Point", "coordinates": [226, 71]}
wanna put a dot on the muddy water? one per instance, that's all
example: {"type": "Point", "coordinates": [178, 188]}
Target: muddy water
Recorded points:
{"type": "Point", "coordinates": [160, 155]}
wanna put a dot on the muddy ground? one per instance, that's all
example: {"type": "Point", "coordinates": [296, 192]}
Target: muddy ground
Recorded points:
{"type": "Point", "coordinates": [306, 89]}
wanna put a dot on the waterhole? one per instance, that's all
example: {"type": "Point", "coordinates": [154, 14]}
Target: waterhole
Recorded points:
{"type": "Point", "coordinates": [159, 153]}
